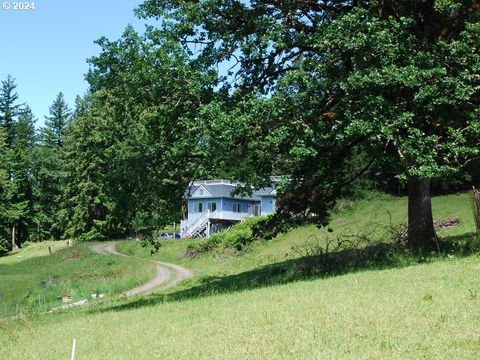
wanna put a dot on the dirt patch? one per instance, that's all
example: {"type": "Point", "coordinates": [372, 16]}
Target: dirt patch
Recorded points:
{"type": "Point", "coordinates": [446, 224]}
{"type": "Point", "coordinates": [111, 274]}
{"type": "Point", "coordinates": [71, 253]}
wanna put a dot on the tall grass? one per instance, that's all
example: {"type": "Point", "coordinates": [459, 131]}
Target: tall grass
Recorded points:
{"type": "Point", "coordinates": [33, 281]}
{"type": "Point", "coordinates": [301, 295]}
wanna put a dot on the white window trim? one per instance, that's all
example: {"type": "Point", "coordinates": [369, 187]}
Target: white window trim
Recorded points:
{"type": "Point", "coordinates": [210, 207]}
{"type": "Point", "coordinates": [197, 206]}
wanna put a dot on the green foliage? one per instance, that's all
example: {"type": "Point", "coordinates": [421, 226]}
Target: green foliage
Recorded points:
{"type": "Point", "coordinates": [56, 123]}
{"type": "Point", "coordinates": [136, 141]}
{"type": "Point", "coordinates": [8, 107]}
{"type": "Point", "coordinates": [327, 93]}
{"type": "Point", "coordinates": [238, 292]}
{"type": "Point", "coordinates": [5, 194]}
{"type": "Point", "coordinates": [49, 186]}
{"type": "Point", "coordinates": [73, 270]}
{"type": "Point", "coordinates": [237, 237]}
{"type": "Point", "coordinates": [86, 158]}
{"type": "Point", "coordinates": [23, 146]}
{"type": "Point", "coordinates": [16, 148]}
{"type": "Point", "coordinates": [316, 84]}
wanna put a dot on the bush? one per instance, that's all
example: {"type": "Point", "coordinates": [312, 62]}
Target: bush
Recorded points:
{"type": "Point", "coordinates": [236, 237]}
{"type": "Point", "coordinates": [4, 245]}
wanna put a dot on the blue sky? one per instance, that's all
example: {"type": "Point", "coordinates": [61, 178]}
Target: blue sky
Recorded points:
{"type": "Point", "coordinates": [46, 49]}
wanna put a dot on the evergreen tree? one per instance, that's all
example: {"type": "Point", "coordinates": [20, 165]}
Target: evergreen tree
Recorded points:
{"type": "Point", "coordinates": [57, 121]}
{"type": "Point", "coordinates": [22, 173]}
{"type": "Point", "coordinates": [46, 192]}
{"type": "Point", "coordinates": [87, 159]}
{"type": "Point", "coordinates": [5, 193]}
{"type": "Point", "coordinates": [8, 107]}
{"type": "Point", "coordinates": [48, 178]}
{"type": "Point", "coordinates": [17, 124]}
{"type": "Point", "coordinates": [136, 141]}
{"type": "Point", "coordinates": [81, 105]}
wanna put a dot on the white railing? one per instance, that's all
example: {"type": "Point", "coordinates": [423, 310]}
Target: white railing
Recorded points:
{"type": "Point", "coordinates": [228, 215]}
{"type": "Point", "coordinates": [212, 182]}
{"type": "Point", "coordinates": [196, 227]}
{"type": "Point", "coordinates": [199, 223]}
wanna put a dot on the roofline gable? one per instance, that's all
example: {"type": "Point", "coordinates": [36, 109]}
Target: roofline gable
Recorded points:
{"type": "Point", "coordinates": [201, 187]}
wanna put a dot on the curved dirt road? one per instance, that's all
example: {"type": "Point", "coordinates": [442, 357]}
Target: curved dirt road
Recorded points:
{"type": "Point", "coordinates": [164, 271]}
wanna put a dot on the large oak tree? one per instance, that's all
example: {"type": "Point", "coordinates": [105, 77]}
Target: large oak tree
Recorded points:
{"type": "Point", "coordinates": [317, 81]}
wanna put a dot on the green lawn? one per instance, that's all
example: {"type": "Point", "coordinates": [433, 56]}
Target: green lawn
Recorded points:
{"type": "Point", "coordinates": [75, 271]}
{"type": "Point", "coordinates": [266, 303]}
{"type": "Point", "coordinates": [265, 262]}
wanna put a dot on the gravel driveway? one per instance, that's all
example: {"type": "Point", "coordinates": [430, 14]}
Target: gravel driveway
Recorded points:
{"type": "Point", "coordinates": [168, 274]}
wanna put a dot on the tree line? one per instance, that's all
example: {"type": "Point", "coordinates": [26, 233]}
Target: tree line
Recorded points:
{"type": "Point", "coordinates": [30, 185]}
{"type": "Point", "coordinates": [330, 93]}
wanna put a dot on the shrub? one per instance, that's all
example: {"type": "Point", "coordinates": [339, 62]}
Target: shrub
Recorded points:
{"type": "Point", "coordinates": [4, 245]}
{"type": "Point", "coordinates": [236, 237]}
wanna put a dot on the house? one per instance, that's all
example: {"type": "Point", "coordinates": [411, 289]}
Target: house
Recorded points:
{"type": "Point", "coordinates": [212, 207]}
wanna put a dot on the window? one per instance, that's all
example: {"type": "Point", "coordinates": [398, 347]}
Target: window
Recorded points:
{"type": "Point", "coordinates": [200, 192]}
{"type": "Point", "coordinates": [254, 210]}
{"type": "Point", "coordinates": [237, 207]}
{"type": "Point", "coordinates": [212, 206]}
{"type": "Point", "coordinates": [197, 207]}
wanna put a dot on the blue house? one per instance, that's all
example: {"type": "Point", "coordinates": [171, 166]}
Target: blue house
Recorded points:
{"type": "Point", "coordinates": [213, 207]}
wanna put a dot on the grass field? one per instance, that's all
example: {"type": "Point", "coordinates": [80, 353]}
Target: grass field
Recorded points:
{"type": "Point", "coordinates": [283, 258]}
{"type": "Point", "coordinates": [31, 280]}
{"type": "Point", "coordinates": [272, 302]}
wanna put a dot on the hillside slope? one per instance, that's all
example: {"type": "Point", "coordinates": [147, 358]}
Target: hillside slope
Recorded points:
{"type": "Point", "coordinates": [267, 302]}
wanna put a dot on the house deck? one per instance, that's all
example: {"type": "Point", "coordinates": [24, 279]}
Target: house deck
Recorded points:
{"type": "Point", "coordinates": [214, 205]}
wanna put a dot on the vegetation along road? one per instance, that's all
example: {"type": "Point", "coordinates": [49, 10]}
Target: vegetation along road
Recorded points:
{"type": "Point", "coordinates": [164, 277]}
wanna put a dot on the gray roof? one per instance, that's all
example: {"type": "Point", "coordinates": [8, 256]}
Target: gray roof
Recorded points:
{"type": "Point", "coordinates": [268, 191]}
{"type": "Point", "coordinates": [220, 191]}
{"type": "Point", "coordinates": [191, 190]}
{"type": "Point", "coordinates": [224, 189]}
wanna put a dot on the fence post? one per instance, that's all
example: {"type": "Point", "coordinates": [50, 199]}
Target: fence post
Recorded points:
{"type": "Point", "coordinates": [74, 345]}
{"type": "Point", "coordinates": [476, 208]}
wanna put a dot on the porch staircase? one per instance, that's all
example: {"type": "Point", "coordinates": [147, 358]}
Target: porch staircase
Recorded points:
{"type": "Point", "coordinates": [200, 227]}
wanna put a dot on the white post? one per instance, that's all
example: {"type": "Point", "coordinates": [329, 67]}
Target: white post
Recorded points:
{"type": "Point", "coordinates": [74, 345]}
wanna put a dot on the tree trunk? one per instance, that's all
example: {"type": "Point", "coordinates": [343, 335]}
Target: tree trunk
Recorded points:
{"type": "Point", "coordinates": [37, 236]}
{"type": "Point", "coordinates": [421, 233]}
{"type": "Point", "coordinates": [14, 240]}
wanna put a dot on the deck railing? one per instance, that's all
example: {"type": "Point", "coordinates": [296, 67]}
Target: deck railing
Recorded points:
{"type": "Point", "coordinates": [197, 223]}
{"type": "Point", "coordinates": [200, 222]}
{"type": "Point", "coordinates": [210, 182]}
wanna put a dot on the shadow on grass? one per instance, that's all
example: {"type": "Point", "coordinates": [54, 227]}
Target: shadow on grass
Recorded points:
{"type": "Point", "coordinates": [321, 265]}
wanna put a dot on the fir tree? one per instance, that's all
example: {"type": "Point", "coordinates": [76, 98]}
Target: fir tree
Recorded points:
{"type": "Point", "coordinates": [5, 192]}
{"type": "Point", "coordinates": [57, 121]}
{"type": "Point", "coordinates": [8, 107]}
{"type": "Point", "coordinates": [48, 179]}
{"type": "Point", "coordinates": [22, 173]}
